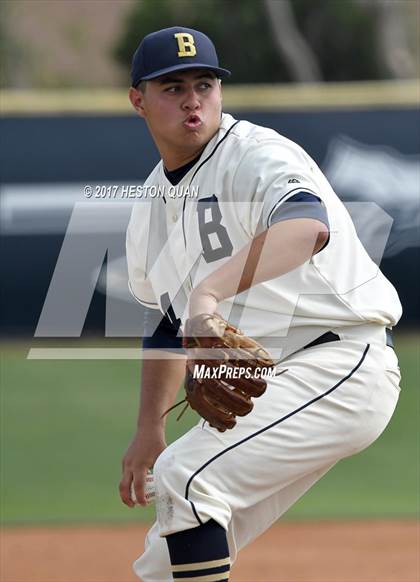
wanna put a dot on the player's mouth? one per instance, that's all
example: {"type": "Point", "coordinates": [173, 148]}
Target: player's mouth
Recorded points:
{"type": "Point", "coordinates": [193, 121]}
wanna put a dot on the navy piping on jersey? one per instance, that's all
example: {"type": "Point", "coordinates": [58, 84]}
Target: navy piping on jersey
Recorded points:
{"type": "Point", "coordinates": [323, 395]}
{"type": "Point", "coordinates": [196, 171]}
{"type": "Point", "coordinates": [175, 176]}
{"type": "Point", "coordinates": [141, 301]}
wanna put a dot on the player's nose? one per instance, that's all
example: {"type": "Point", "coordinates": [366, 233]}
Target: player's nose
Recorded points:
{"type": "Point", "coordinates": [191, 101]}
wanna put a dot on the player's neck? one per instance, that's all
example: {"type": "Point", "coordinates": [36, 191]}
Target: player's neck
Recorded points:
{"type": "Point", "coordinates": [174, 161]}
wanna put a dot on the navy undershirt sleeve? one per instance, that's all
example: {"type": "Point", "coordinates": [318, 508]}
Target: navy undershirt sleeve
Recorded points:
{"type": "Point", "coordinates": [301, 205]}
{"type": "Point", "coordinates": [159, 333]}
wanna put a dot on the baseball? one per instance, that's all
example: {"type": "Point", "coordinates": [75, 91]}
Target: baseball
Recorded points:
{"type": "Point", "coordinates": [149, 490]}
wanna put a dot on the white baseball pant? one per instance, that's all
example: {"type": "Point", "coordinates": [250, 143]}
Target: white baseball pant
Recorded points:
{"type": "Point", "coordinates": [334, 400]}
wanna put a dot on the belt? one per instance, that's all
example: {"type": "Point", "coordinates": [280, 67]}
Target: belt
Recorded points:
{"type": "Point", "coordinates": [330, 336]}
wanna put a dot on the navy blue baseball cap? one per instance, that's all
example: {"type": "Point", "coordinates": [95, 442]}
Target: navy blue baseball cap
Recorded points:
{"type": "Point", "coordinates": [174, 49]}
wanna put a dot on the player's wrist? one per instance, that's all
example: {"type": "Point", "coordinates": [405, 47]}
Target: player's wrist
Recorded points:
{"type": "Point", "coordinates": [202, 300]}
{"type": "Point", "coordinates": [151, 425]}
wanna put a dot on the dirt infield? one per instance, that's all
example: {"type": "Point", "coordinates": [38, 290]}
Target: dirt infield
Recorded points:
{"type": "Point", "coordinates": [298, 552]}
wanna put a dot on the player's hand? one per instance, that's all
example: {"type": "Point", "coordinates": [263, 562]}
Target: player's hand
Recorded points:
{"type": "Point", "coordinates": [140, 456]}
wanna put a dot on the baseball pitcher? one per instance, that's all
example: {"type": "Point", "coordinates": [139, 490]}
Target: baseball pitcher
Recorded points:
{"type": "Point", "coordinates": [261, 300]}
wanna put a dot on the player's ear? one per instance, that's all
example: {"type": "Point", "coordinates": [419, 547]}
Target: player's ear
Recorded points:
{"type": "Point", "coordinates": [136, 97]}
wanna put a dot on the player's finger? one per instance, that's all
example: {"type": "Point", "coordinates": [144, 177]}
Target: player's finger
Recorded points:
{"type": "Point", "coordinates": [139, 480]}
{"type": "Point", "coordinates": [125, 489]}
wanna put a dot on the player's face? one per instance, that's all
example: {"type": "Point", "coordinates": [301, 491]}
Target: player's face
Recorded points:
{"type": "Point", "coordinates": [182, 110]}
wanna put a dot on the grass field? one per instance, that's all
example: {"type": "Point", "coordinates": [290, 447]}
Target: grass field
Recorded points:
{"type": "Point", "coordinates": [66, 424]}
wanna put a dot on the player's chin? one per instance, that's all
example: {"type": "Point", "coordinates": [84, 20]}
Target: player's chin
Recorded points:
{"type": "Point", "coordinates": [195, 137]}
{"type": "Point", "coordinates": [203, 133]}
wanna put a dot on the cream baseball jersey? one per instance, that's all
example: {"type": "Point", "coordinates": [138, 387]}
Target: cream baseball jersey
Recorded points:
{"type": "Point", "coordinates": [242, 178]}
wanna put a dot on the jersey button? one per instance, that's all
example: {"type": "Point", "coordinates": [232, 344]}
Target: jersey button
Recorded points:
{"type": "Point", "coordinates": [174, 217]}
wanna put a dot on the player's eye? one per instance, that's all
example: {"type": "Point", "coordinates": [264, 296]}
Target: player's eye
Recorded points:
{"type": "Point", "coordinates": [172, 89]}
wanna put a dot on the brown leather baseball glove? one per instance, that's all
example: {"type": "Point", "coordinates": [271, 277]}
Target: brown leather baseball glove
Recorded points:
{"type": "Point", "coordinates": [221, 365]}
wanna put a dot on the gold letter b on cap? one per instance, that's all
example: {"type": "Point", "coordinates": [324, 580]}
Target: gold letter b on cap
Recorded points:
{"type": "Point", "coordinates": [186, 47]}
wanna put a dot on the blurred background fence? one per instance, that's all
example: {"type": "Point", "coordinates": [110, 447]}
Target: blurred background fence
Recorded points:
{"type": "Point", "coordinates": [339, 78]}
{"type": "Point", "coordinates": [365, 136]}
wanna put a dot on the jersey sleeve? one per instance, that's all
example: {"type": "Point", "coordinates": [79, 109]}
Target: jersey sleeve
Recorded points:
{"type": "Point", "coordinates": [136, 252]}
{"type": "Point", "coordinates": [268, 175]}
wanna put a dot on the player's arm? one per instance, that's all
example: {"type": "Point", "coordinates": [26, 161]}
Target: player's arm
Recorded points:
{"type": "Point", "coordinates": [163, 372]}
{"type": "Point", "coordinates": [283, 247]}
